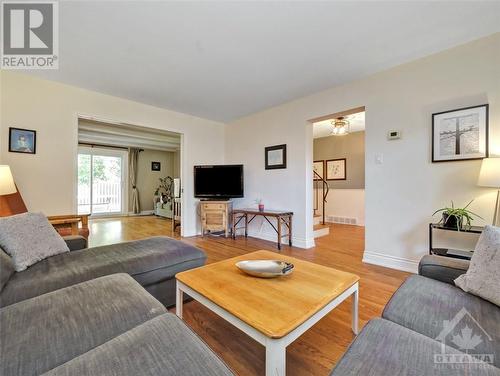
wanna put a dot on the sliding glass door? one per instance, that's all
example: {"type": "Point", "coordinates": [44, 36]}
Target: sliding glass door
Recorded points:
{"type": "Point", "coordinates": [102, 181]}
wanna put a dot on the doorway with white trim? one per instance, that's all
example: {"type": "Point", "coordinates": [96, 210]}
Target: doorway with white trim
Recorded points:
{"type": "Point", "coordinates": [339, 170]}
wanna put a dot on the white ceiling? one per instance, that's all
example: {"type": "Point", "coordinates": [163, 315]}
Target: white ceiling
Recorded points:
{"type": "Point", "coordinates": [324, 128]}
{"type": "Point", "coordinates": [224, 60]}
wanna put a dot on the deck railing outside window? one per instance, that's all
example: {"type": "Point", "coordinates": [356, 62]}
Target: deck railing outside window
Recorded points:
{"type": "Point", "coordinates": [106, 197]}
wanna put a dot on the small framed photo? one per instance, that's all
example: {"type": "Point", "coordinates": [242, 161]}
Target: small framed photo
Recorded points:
{"type": "Point", "coordinates": [155, 166]}
{"type": "Point", "coordinates": [22, 141]}
{"type": "Point", "coordinates": [460, 135]}
{"type": "Point", "coordinates": [275, 157]}
{"type": "Point", "coordinates": [336, 169]}
{"type": "Point", "coordinates": [319, 170]}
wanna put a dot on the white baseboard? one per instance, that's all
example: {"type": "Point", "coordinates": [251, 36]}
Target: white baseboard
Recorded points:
{"type": "Point", "coordinates": [321, 232]}
{"type": "Point", "coordinates": [392, 262]}
{"type": "Point", "coordinates": [144, 212]}
{"type": "Point", "coordinates": [272, 237]}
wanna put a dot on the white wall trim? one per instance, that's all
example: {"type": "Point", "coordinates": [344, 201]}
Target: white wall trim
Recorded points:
{"type": "Point", "coordinates": [392, 262]}
{"type": "Point", "coordinates": [297, 242]}
{"type": "Point", "coordinates": [144, 212]}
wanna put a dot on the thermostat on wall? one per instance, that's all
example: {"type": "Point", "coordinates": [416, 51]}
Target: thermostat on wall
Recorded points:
{"type": "Point", "coordinates": [393, 135]}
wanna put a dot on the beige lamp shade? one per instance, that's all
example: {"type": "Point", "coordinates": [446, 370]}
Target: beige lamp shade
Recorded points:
{"type": "Point", "coordinates": [489, 176]}
{"type": "Point", "coordinates": [7, 185]}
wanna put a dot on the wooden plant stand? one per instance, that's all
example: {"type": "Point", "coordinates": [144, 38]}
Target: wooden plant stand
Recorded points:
{"type": "Point", "coordinates": [248, 215]}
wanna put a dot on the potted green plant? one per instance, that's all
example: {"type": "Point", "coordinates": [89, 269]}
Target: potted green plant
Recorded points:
{"type": "Point", "coordinates": [452, 217]}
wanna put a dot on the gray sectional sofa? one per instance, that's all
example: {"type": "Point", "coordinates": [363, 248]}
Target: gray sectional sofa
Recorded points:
{"type": "Point", "coordinates": [411, 338]}
{"type": "Point", "coordinates": [85, 312]}
{"type": "Point", "coordinates": [152, 262]}
{"type": "Point", "coordinates": [106, 326]}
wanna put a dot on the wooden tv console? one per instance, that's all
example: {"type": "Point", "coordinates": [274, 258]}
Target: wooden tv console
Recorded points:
{"type": "Point", "coordinates": [216, 216]}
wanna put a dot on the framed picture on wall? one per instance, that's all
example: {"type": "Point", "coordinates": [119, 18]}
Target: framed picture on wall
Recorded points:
{"type": "Point", "coordinates": [22, 141]}
{"type": "Point", "coordinates": [460, 134]}
{"type": "Point", "coordinates": [336, 169]}
{"type": "Point", "coordinates": [155, 166]}
{"type": "Point", "coordinates": [275, 157]}
{"type": "Point", "coordinates": [319, 169]}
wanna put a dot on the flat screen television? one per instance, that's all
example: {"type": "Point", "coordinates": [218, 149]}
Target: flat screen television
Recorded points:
{"type": "Point", "coordinates": [218, 181]}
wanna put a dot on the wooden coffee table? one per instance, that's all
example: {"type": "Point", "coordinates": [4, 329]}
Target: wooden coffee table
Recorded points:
{"type": "Point", "coordinates": [274, 312]}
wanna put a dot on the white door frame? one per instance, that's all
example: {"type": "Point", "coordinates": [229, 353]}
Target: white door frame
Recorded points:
{"type": "Point", "coordinates": [113, 152]}
{"type": "Point", "coordinates": [106, 119]}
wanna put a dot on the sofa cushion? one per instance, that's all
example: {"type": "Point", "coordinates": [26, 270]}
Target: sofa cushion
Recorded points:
{"type": "Point", "coordinates": [385, 348]}
{"type": "Point", "coordinates": [29, 238]}
{"type": "Point", "coordinates": [440, 268]}
{"type": "Point", "coordinates": [148, 261]}
{"type": "Point", "coordinates": [423, 305]}
{"type": "Point", "coordinates": [43, 332]}
{"type": "Point", "coordinates": [6, 268]}
{"type": "Point", "coordinates": [483, 276]}
{"type": "Point", "coordinates": [162, 346]}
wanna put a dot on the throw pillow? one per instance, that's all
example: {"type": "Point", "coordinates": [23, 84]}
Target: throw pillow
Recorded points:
{"type": "Point", "coordinates": [483, 276]}
{"type": "Point", "coordinates": [29, 238]}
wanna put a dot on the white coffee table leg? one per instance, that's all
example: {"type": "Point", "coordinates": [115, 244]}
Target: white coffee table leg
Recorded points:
{"type": "Point", "coordinates": [355, 303]}
{"type": "Point", "coordinates": [275, 357]}
{"type": "Point", "coordinates": [179, 301]}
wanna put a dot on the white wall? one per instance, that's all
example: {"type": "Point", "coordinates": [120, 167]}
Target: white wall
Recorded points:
{"type": "Point", "coordinates": [402, 193]}
{"type": "Point", "coordinates": [347, 203]}
{"type": "Point", "coordinates": [279, 189]}
{"type": "Point", "coordinates": [47, 180]}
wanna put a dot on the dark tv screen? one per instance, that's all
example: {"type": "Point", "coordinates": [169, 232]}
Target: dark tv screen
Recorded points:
{"type": "Point", "coordinates": [219, 181]}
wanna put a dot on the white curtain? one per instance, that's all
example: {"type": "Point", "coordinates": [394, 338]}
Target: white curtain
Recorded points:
{"type": "Point", "coordinates": [132, 173]}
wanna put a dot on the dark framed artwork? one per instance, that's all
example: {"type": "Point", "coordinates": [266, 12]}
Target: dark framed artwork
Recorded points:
{"type": "Point", "coordinates": [155, 166]}
{"type": "Point", "coordinates": [336, 169]}
{"type": "Point", "coordinates": [22, 141]}
{"type": "Point", "coordinates": [319, 169]}
{"type": "Point", "coordinates": [275, 157]}
{"type": "Point", "coordinates": [460, 134]}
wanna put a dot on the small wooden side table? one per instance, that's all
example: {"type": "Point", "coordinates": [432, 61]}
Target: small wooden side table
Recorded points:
{"type": "Point", "coordinates": [69, 224]}
{"type": "Point", "coordinates": [216, 216]}
{"type": "Point", "coordinates": [248, 215]}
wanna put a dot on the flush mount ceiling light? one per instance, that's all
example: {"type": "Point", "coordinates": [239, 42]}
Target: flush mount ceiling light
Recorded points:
{"type": "Point", "coordinates": [341, 126]}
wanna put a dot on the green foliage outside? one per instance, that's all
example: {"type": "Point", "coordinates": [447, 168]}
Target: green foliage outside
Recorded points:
{"type": "Point", "coordinates": [105, 169]}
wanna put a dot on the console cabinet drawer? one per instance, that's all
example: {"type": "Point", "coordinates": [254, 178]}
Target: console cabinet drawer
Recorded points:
{"type": "Point", "coordinates": [213, 206]}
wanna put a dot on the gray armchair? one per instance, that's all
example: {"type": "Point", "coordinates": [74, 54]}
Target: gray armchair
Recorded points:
{"type": "Point", "coordinates": [440, 268]}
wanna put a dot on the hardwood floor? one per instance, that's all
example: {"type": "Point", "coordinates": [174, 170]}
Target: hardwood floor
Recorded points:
{"type": "Point", "coordinates": [120, 229]}
{"type": "Point", "coordinates": [315, 352]}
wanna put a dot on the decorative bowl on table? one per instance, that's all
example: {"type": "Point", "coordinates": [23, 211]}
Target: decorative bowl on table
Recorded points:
{"type": "Point", "coordinates": [265, 268]}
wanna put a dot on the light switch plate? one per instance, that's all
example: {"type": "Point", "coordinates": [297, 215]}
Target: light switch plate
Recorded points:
{"type": "Point", "coordinates": [379, 158]}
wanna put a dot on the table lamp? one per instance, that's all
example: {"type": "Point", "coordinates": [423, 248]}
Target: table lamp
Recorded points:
{"type": "Point", "coordinates": [489, 176]}
{"type": "Point", "coordinates": [7, 185]}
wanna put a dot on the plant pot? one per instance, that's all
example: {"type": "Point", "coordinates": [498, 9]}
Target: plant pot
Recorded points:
{"type": "Point", "coordinates": [452, 221]}
{"type": "Point", "coordinates": [261, 207]}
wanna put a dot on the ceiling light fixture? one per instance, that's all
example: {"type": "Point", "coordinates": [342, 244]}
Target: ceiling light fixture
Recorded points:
{"type": "Point", "coordinates": [341, 126]}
